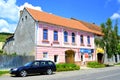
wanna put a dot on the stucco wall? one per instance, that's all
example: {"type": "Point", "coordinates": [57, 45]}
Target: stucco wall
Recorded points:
{"type": "Point", "coordinates": [55, 51]}
{"type": "Point", "coordinates": [61, 30]}
{"type": "Point", "coordinates": [59, 49]}
{"type": "Point", "coordinates": [25, 35]}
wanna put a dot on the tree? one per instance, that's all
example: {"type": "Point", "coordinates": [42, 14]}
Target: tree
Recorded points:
{"type": "Point", "coordinates": [109, 41]}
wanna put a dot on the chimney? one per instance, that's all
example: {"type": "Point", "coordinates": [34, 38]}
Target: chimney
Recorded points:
{"type": "Point", "coordinates": [21, 12]}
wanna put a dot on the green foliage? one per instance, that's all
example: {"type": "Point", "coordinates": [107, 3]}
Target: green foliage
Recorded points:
{"type": "Point", "coordinates": [110, 39]}
{"type": "Point", "coordinates": [118, 48]}
{"type": "Point", "coordinates": [67, 67]}
{"type": "Point", "coordinates": [4, 53]}
{"type": "Point", "coordinates": [1, 51]}
{"type": "Point", "coordinates": [3, 72]}
{"type": "Point", "coordinates": [4, 36]}
{"type": "Point", "coordinates": [95, 65]}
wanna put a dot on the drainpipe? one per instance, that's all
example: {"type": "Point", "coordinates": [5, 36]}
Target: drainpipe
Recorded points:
{"type": "Point", "coordinates": [36, 31]}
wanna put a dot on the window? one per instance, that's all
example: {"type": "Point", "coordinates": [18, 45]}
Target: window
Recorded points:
{"type": "Point", "coordinates": [36, 64]}
{"type": "Point", "coordinates": [55, 35]}
{"type": "Point", "coordinates": [22, 19]}
{"type": "Point", "coordinates": [45, 55]}
{"type": "Point", "coordinates": [65, 36]}
{"type": "Point", "coordinates": [88, 40]}
{"type": "Point", "coordinates": [50, 63]}
{"type": "Point", "coordinates": [73, 37]}
{"type": "Point", "coordinates": [45, 34]}
{"type": "Point", "coordinates": [25, 17]}
{"type": "Point", "coordinates": [81, 39]}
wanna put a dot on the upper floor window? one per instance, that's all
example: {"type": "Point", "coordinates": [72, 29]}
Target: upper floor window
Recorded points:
{"type": "Point", "coordinates": [45, 34]}
{"type": "Point", "coordinates": [81, 39]}
{"type": "Point", "coordinates": [73, 37]}
{"type": "Point", "coordinates": [88, 39]}
{"type": "Point", "coordinates": [55, 35]}
{"type": "Point", "coordinates": [65, 36]}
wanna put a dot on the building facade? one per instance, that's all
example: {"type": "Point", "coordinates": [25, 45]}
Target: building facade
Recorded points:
{"type": "Point", "coordinates": [50, 37]}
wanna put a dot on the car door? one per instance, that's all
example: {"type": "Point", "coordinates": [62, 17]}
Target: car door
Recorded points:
{"type": "Point", "coordinates": [43, 66]}
{"type": "Point", "coordinates": [34, 67]}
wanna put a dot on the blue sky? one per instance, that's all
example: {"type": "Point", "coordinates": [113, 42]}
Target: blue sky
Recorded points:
{"type": "Point", "coordinates": [97, 11]}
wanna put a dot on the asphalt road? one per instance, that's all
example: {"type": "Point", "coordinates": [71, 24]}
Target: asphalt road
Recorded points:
{"type": "Point", "coordinates": [109, 73]}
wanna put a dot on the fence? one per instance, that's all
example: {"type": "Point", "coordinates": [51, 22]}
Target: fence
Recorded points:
{"type": "Point", "coordinates": [7, 61]}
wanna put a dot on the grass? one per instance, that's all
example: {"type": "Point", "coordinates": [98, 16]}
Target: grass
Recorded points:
{"type": "Point", "coordinates": [2, 72]}
{"type": "Point", "coordinates": [4, 36]}
{"type": "Point", "coordinates": [117, 64]}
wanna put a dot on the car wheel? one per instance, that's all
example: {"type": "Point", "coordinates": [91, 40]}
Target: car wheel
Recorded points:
{"type": "Point", "coordinates": [49, 72]}
{"type": "Point", "coordinates": [23, 73]}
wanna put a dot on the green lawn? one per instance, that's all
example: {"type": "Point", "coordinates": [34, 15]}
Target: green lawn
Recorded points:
{"type": "Point", "coordinates": [3, 72]}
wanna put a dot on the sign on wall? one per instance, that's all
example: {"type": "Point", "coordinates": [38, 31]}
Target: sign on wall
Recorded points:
{"type": "Point", "coordinates": [85, 50]}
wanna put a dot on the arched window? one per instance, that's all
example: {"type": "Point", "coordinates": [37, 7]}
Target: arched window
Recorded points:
{"type": "Point", "coordinates": [73, 37]}
{"type": "Point", "coordinates": [65, 36]}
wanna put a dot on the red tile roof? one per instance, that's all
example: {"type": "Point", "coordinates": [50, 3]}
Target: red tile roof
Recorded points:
{"type": "Point", "coordinates": [65, 22]}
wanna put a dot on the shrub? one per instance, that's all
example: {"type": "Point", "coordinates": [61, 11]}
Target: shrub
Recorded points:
{"type": "Point", "coordinates": [67, 67]}
{"type": "Point", "coordinates": [95, 65]}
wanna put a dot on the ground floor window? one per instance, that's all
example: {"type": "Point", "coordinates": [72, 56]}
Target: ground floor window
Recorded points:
{"type": "Point", "coordinates": [55, 58]}
{"type": "Point", "coordinates": [90, 56]}
{"type": "Point", "coordinates": [45, 55]}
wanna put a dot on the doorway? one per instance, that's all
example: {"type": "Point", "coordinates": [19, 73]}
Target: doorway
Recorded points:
{"type": "Point", "coordinates": [100, 57]}
{"type": "Point", "coordinates": [69, 56]}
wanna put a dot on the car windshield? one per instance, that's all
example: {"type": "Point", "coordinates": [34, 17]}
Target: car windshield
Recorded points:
{"type": "Point", "coordinates": [28, 64]}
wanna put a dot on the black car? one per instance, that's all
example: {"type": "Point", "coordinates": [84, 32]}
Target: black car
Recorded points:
{"type": "Point", "coordinates": [38, 66]}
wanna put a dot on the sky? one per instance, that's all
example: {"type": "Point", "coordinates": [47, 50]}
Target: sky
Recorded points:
{"type": "Point", "coordinates": [92, 11]}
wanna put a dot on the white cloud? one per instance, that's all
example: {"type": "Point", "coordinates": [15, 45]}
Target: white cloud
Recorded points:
{"type": "Point", "coordinates": [9, 14]}
{"type": "Point", "coordinates": [9, 10]}
{"type": "Point", "coordinates": [3, 23]}
{"type": "Point", "coordinates": [30, 6]}
{"type": "Point", "coordinates": [115, 16]}
{"type": "Point", "coordinates": [6, 27]}
{"type": "Point", "coordinates": [4, 30]}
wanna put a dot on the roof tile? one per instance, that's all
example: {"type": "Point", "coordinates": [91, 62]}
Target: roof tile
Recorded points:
{"type": "Point", "coordinates": [65, 22]}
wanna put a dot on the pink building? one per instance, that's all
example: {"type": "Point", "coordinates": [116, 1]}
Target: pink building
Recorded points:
{"type": "Point", "coordinates": [55, 38]}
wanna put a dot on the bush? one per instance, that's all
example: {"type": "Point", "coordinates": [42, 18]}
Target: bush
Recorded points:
{"type": "Point", "coordinates": [67, 67]}
{"type": "Point", "coordinates": [95, 65]}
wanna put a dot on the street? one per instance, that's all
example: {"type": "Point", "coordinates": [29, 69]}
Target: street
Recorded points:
{"type": "Point", "coordinates": [108, 73]}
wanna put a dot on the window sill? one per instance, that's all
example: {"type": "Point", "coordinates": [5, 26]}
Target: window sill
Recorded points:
{"type": "Point", "coordinates": [89, 45]}
{"type": "Point", "coordinates": [45, 41]}
{"type": "Point", "coordinates": [82, 45]}
{"type": "Point", "coordinates": [66, 43]}
{"type": "Point", "coordinates": [55, 42]}
{"type": "Point", "coordinates": [74, 44]}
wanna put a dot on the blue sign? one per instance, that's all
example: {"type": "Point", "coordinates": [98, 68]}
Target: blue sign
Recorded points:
{"type": "Point", "coordinates": [84, 50]}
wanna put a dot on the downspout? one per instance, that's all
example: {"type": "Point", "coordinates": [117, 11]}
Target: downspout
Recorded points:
{"type": "Point", "coordinates": [36, 31]}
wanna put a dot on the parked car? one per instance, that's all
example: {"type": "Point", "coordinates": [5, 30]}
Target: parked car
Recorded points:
{"type": "Point", "coordinates": [37, 66]}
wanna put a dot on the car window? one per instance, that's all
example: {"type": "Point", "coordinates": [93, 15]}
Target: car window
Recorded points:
{"type": "Point", "coordinates": [50, 63]}
{"type": "Point", "coordinates": [42, 63]}
{"type": "Point", "coordinates": [36, 64]}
